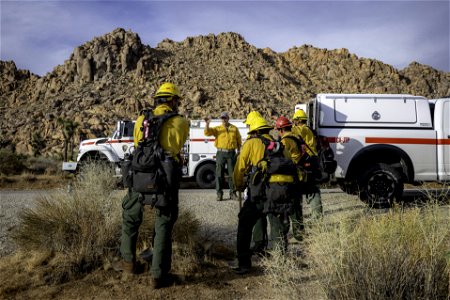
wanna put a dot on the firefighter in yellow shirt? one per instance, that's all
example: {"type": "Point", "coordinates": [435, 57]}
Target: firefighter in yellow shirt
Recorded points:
{"type": "Point", "coordinates": [250, 163]}
{"type": "Point", "coordinates": [293, 144]}
{"type": "Point", "coordinates": [311, 190]}
{"type": "Point", "coordinates": [228, 143]}
{"type": "Point", "coordinates": [173, 134]}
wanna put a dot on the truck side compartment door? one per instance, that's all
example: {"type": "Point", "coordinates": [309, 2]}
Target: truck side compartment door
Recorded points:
{"type": "Point", "coordinates": [446, 138]}
{"type": "Point", "coordinates": [442, 126]}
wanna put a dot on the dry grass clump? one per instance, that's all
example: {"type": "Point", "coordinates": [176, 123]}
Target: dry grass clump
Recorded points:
{"type": "Point", "coordinates": [398, 255]}
{"type": "Point", "coordinates": [82, 225]}
{"type": "Point", "coordinates": [289, 277]}
{"type": "Point", "coordinates": [402, 254]}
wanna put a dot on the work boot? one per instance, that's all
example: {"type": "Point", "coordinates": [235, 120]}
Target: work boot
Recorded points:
{"type": "Point", "coordinates": [241, 270]}
{"type": "Point", "coordinates": [157, 283]}
{"type": "Point", "coordinates": [124, 266]}
{"type": "Point", "coordinates": [219, 197]}
{"type": "Point", "coordinates": [165, 281]}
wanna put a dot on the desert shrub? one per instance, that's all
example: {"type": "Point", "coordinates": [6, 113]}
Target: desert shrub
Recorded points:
{"type": "Point", "coordinates": [82, 226]}
{"type": "Point", "coordinates": [43, 165]}
{"type": "Point", "coordinates": [11, 163]}
{"type": "Point", "coordinates": [402, 254]}
{"type": "Point", "coordinates": [398, 255]}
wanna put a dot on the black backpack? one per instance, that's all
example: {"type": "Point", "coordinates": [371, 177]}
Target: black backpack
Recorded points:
{"type": "Point", "coordinates": [277, 163]}
{"type": "Point", "coordinates": [147, 172]}
{"type": "Point", "coordinates": [277, 197]}
{"type": "Point", "coordinates": [317, 167]}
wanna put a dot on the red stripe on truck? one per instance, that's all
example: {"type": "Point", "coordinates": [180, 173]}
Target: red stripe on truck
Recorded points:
{"type": "Point", "coordinates": [87, 143]}
{"type": "Point", "coordinates": [120, 141]}
{"type": "Point", "coordinates": [414, 141]}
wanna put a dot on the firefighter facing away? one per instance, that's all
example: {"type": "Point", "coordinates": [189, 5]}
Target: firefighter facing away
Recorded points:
{"type": "Point", "coordinates": [292, 143]}
{"type": "Point", "coordinates": [173, 134]}
{"type": "Point", "coordinates": [228, 143]}
{"type": "Point", "coordinates": [311, 190]}
{"type": "Point", "coordinates": [250, 162]}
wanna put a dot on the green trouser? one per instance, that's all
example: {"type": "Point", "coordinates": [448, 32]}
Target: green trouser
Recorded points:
{"type": "Point", "coordinates": [165, 218]}
{"type": "Point", "coordinates": [131, 221]}
{"type": "Point", "coordinates": [259, 235]}
{"type": "Point", "coordinates": [229, 159]}
{"type": "Point", "coordinates": [314, 200]}
{"type": "Point", "coordinates": [279, 228]}
{"type": "Point", "coordinates": [296, 216]}
{"type": "Point", "coordinates": [249, 214]}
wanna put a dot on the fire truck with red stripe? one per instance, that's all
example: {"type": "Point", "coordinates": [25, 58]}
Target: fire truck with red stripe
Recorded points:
{"type": "Point", "coordinates": [199, 153]}
{"type": "Point", "coordinates": [383, 141]}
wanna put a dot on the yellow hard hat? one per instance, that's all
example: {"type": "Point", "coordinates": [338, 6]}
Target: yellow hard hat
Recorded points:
{"type": "Point", "coordinates": [258, 123]}
{"type": "Point", "coordinates": [300, 115]}
{"type": "Point", "coordinates": [251, 115]}
{"type": "Point", "coordinates": [168, 89]}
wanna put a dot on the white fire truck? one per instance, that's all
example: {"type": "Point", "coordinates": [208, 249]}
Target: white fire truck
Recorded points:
{"type": "Point", "coordinates": [382, 141]}
{"type": "Point", "coordinates": [199, 151]}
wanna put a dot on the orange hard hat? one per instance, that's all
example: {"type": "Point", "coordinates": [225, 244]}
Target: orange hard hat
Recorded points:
{"type": "Point", "coordinates": [283, 122]}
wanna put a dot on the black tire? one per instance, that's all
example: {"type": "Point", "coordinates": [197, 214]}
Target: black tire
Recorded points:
{"type": "Point", "coordinates": [380, 186]}
{"type": "Point", "coordinates": [94, 157]}
{"type": "Point", "coordinates": [350, 188]}
{"type": "Point", "coordinates": [206, 176]}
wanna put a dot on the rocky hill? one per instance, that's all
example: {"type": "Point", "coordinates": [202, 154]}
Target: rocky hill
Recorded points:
{"type": "Point", "coordinates": [114, 76]}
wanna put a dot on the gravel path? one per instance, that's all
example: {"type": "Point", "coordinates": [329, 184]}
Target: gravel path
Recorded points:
{"type": "Point", "coordinates": [218, 219]}
{"type": "Point", "coordinates": [12, 202]}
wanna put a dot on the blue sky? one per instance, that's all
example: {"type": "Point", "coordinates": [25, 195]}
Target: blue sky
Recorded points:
{"type": "Point", "coordinates": [39, 35]}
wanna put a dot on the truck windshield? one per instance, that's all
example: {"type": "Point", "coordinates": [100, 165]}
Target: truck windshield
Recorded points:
{"type": "Point", "coordinates": [128, 128]}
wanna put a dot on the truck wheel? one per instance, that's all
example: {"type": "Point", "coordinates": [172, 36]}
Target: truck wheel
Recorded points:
{"type": "Point", "coordinates": [206, 176]}
{"type": "Point", "coordinates": [380, 186]}
{"type": "Point", "coordinates": [96, 158]}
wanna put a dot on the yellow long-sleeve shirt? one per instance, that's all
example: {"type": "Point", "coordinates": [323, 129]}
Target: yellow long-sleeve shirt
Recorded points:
{"type": "Point", "coordinates": [296, 153]}
{"type": "Point", "coordinates": [306, 134]}
{"type": "Point", "coordinates": [292, 147]}
{"type": "Point", "coordinates": [173, 134]}
{"type": "Point", "coordinates": [251, 154]}
{"type": "Point", "coordinates": [228, 138]}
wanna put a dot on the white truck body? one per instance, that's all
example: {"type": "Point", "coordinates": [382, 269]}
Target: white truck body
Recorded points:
{"type": "Point", "coordinates": [199, 152]}
{"type": "Point", "coordinates": [382, 141]}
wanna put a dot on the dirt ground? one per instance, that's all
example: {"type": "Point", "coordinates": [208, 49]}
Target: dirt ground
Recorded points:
{"type": "Point", "coordinates": [215, 280]}
{"type": "Point", "coordinates": [214, 283]}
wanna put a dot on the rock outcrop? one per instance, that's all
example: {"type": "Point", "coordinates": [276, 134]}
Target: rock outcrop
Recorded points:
{"type": "Point", "coordinates": [114, 76]}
